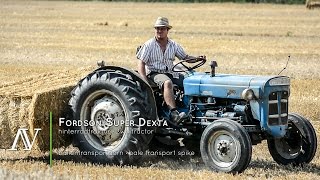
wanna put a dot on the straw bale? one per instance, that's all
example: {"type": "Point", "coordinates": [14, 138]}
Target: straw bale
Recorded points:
{"type": "Point", "coordinates": [34, 112]}
{"type": "Point", "coordinates": [26, 103]}
{"type": "Point", "coordinates": [13, 115]}
{"type": "Point", "coordinates": [55, 101]}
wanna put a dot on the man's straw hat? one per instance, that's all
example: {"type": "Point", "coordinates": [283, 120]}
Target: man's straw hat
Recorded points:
{"type": "Point", "coordinates": [162, 22]}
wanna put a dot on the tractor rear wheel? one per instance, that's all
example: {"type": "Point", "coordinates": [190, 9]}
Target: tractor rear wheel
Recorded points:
{"type": "Point", "coordinates": [113, 103]}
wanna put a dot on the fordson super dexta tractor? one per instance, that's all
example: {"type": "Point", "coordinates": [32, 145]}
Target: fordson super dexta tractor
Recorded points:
{"type": "Point", "coordinates": [119, 115]}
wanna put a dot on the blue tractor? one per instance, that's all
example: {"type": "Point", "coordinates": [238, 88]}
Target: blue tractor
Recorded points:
{"type": "Point", "coordinates": [227, 115]}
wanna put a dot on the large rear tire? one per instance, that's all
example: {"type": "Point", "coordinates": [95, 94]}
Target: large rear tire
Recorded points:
{"type": "Point", "coordinates": [298, 146]}
{"type": "Point", "coordinates": [225, 146]}
{"type": "Point", "coordinates": [114, 103]}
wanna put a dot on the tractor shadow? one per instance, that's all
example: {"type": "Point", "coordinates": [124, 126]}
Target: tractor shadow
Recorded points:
{"type": "Point", "coordinates": [179, 158]}
{"type": "Point", "coordinates": [272, 169]}
{"type": "Point", "coordinates": [46, 159]}
{"type": "Point", "coordinates": [195, 163]}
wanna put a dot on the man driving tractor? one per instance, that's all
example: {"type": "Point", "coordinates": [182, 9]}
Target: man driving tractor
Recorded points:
{"type": "Point", "coordinates": [156, 62]}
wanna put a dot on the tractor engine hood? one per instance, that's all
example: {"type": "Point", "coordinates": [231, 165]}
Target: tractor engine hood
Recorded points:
{"type": "Point", "coordinates": [229, 85]}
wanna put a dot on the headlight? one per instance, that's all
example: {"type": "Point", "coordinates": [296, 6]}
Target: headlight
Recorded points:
{"type": "Point", "coordinates": [248, 94]}
{"type": "Point", "coordinates": [279, 81]}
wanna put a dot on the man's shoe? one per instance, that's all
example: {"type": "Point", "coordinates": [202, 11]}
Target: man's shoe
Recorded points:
{"type": "Point", "coordinates": [178, 117]}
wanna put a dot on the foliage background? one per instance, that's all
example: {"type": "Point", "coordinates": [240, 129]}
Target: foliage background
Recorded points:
{"type": "Point", "coordinates": [214, 1]}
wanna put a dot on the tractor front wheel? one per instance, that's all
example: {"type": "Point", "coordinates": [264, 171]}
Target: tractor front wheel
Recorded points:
{"type": "Point", "coordinates": [225, 146]}
{"type": "Point", "coordinates": [299, 144]}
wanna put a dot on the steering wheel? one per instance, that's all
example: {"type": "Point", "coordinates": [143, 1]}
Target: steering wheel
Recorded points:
{"type": "Point", "coordinates": [200, 60]}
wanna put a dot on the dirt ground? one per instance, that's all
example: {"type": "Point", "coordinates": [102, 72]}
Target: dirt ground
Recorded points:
{"type": "Point", "coordinates": [50, 43]}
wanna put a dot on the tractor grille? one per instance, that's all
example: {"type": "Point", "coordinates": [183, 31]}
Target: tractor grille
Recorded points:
{"type": "Point", "coordinates": [278, 108]}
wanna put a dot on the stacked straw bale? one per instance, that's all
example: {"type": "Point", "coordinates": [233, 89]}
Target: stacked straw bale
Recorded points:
{"type": "Point", "coordinates": [34, 112]}
{"type": "Point", "coordinates": [28, 103]}
{"type": "Point", "coordinates": [14, 114]}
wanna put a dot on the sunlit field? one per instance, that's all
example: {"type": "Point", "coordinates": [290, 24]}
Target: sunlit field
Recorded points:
{"type": "Point", "coordinates": [45, 44]}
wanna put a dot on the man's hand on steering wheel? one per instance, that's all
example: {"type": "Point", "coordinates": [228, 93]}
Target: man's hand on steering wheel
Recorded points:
{"type": "Point", "coordinates": [190, 59]}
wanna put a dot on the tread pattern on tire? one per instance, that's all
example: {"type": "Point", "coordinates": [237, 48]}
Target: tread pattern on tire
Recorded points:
{"type": "Point", "coordinates": [304, 157]}
{"type": "Point", "coordinates": [136, 101]}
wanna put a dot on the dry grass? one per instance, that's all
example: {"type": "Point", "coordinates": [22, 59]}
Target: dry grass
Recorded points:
{"type": "Point", "coordinates": [48, 45]}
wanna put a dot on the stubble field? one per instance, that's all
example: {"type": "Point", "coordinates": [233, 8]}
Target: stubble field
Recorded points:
{"type": "Point", "coordinates": [45, 44]}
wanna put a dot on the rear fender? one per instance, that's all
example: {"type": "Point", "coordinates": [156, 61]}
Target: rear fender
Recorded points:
{"type": "Point", "coordinates": [145, 87]}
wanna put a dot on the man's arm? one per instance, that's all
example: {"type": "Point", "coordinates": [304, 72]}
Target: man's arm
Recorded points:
{"type": "Point", "coordinates": [142, 70]}
{"type": "Point", "coordinates": [182, 55]}
{"type": "Point", "coordinates": [192, 57]}
{"type": "Point", "coordinates": [189, 57]}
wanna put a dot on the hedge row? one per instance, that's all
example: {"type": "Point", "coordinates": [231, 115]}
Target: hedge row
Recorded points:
{"type": "Point", "coordinates": [206, 1]}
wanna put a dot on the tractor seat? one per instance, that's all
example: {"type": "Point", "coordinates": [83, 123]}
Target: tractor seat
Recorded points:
{"type": "Point", "coordinates": [153, 85]}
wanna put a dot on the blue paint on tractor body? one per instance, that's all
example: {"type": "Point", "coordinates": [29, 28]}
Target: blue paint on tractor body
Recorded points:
{"type": "Point", "coordinates": [228, 86]}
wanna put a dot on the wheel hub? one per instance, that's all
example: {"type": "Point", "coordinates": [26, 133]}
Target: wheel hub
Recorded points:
{"type": "Point", "coordinates": [224, 148]}
{"type": "Point", "coordinates": [109, 120]}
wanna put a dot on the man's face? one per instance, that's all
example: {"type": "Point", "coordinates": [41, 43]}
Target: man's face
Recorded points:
{"type": "Point", "coordinates": [161, 32]}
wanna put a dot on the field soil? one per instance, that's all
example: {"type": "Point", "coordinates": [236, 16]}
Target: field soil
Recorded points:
{"type": "Point", "coordinates": [48, 45]}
